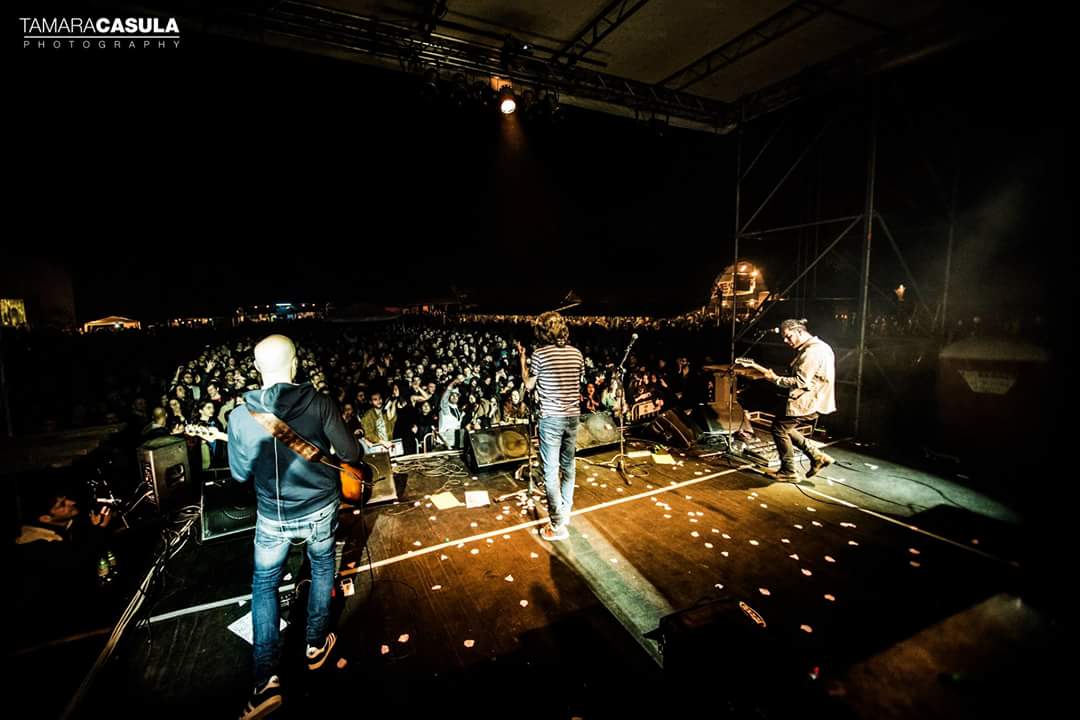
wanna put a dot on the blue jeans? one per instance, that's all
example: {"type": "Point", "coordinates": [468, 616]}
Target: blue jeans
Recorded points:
{"type": "Point", "coordinates": [558, 443]}
{"type": "Point", "coordinates": [272, 542]}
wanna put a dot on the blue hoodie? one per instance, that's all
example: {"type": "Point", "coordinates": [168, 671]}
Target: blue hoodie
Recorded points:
{"type": "Point", "coordinates": [302, 486]}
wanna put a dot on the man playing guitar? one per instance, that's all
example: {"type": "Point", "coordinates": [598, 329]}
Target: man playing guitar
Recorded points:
{"type": "Point", "coordinates": [810, 392]}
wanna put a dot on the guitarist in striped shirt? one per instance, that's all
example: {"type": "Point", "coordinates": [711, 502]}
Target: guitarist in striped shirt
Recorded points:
{"type": "Point", "coordinates": [557, 370]}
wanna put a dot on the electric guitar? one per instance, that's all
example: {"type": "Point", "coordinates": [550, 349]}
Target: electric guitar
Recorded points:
{"type": "Point", "coordinates": [752, 366]}
{"type": "Point", "coordinates": [353, 478]}
{"type": "Point", "coordinates": [206, 432]}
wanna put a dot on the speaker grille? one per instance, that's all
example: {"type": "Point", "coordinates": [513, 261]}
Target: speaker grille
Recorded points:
{"type": "Point", "coordinates": [597, 430]}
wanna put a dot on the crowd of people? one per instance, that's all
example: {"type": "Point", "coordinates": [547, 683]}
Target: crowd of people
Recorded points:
{"type": "Point", "coordinates": [423, 385]}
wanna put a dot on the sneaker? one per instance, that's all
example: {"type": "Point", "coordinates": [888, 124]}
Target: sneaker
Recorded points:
{"type": "Point", "coordinates": [552, 533]}
{"type": "Point", "coordinates": [316, 657]}
{"type": "Point", "coordinates": [787, 474]}
{"type": "Point", "coordinates": [264, 700]}
{"type": "Point", "coordinates": [819, 462]}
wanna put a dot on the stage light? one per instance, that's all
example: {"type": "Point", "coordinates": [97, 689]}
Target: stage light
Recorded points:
{"type": "Point", "coordinates": [507, 101]}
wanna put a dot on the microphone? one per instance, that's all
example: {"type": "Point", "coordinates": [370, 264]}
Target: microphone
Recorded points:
{"type": "Point", "coordinates": [633, 337]}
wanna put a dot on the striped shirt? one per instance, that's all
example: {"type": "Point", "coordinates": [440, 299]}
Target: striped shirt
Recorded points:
{"type": "Point", "coordinates": [558, 372]}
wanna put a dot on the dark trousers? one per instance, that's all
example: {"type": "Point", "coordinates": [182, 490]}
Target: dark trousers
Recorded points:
{"type": "Point", "coordinates": [784, 435]}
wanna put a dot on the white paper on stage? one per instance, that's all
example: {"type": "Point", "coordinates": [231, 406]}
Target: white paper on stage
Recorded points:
{"type": "Point", "coordinates": [242, 627]}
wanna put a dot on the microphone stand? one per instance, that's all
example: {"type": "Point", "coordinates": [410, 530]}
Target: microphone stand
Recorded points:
{"type": "Point", "coordinates": [619, 461]}
{"type": "Point", "coordinates": [528, 466]}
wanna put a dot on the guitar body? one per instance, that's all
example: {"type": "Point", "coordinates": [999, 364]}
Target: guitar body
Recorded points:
{"type": "Point", "coordinates": [353, 480]}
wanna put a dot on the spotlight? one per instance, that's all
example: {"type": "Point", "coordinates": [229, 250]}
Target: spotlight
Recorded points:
{"type": "Point", "coordinates": [507, 101]}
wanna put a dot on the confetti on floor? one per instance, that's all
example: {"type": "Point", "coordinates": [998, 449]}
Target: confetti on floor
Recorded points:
{"type": "Point", "coordinates": [432, 518]}
{"type": "Point", "coordinates": [830, 598]}
{"type": "Point", "coordinates": [764, 591]}
{"type": "Point", "coordinates": [469, 643]}
{"type": "Point", "coordinates": [830, 558]}
{"type": "Point", "coordinates": [473, 524]}
{"type": "Point", "coordinates": [806, 628]}
{"type": "Point", "coordinates": [436, 587]}
{"type": "Point", "coordinates": [693, 520]}
{"type": "Point", "coordinates": [667, 516]}
{"type": "Point", "coordinates": [416, 543]}
{"type": "Point", "coordinates": [852, 543]}
{"type": "Point", "coordinates": [709, 545]}
{"type": "Point", "coordinates": [815, 523]}
{"type": "Point", "coordinates": [724, 553]}
{"type": "Point", "coordinates": [524, 603]}
{"type": "Point", "coordinates": [798, 527]}
{"type": "Point", "coordinates": [764, 506]}
{"type": "Point", "coordinates": [785, 541]}
{"type": "Point", "coordinates": [806, 572]}
{"type": "Point", "coordinates": [810, 509]}
{"type": "Point", "coordinates": [695, 533]}
{"type": "Point", "coordinates": [384, 650]}
{"type": "Point", "coordinates": [509, 578]}
{"type": "Point", "coordinates": [847, 524]}
{"type": "Point", "coordinates": [614, 561]}
{"type": "Point", "coordinates": [913, 551]}
{"type": "Point", "coordinates": [474, 551]}
{"type": "Point", "coordinates": [725, 536]}
{"type": "Point", "coordinates": [444, 557]}
{"type": "Point", "coordinates": [403, 638]}
{"type": "Point", "coordinates": [341, 663]}
{"type": "Point", "coordinates": [716, 531]}
{"type": "Point", "coordinates": [490, 541]}
{"type": "Point", "coordinates": [793, 556]}
{"type": "Point", "coordinates": [754, 543]}
{"type": "Point", "coordinates": [533, 555]}
{"type": "Point", "coordinates": [915, 564]}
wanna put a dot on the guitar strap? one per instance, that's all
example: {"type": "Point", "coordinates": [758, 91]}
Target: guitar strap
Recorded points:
{"type": "Point", "coordinates": [281, 430]}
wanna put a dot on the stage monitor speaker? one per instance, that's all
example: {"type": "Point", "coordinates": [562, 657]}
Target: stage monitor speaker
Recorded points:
{"type": "Point", "coordinates": [163, 465]}
{"type": "Point", "coordinates": [597, 430]}
{"type": "Point", "coordinates": [383, 487]}
{"type": "Point", "coordinates": [752, 637]}
{"type": "Point", "coordinates": [228, 507]}
{"type": "Point", "coordinates": [718, 418]}
{"type": "Point", "coordinates": [497, 446]}
{"type": "Point", "coordinates": [675, 430]}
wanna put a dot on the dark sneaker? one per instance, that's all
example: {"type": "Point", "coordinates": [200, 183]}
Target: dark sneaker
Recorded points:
{"type": "Point", "coordinates": [316, 657]}
{"type": "Point", "coordinates": [552, 534]}
{"type": "Point", "coordinates": [787, 474]}
{"type": "Point", "coordinates": [264, 700]}
{"type": "Point", "coordinates": [819, 462]}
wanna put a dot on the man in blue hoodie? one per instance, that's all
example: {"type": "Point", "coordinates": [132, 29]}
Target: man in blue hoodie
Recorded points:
{"type": "Point", "coordinates": [297, 501]}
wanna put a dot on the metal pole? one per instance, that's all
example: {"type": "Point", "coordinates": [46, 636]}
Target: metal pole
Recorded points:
{"type": "Point", "coordinates": [734, 286]}
{"type": "Point", "coordinates": [4, 397]}
{"type": "Point", "coordinates": [948, 258]}
{"type": "Point", "coordinates": [735, 254]}
{"type": "Point", "coordinates": [868, 225]}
